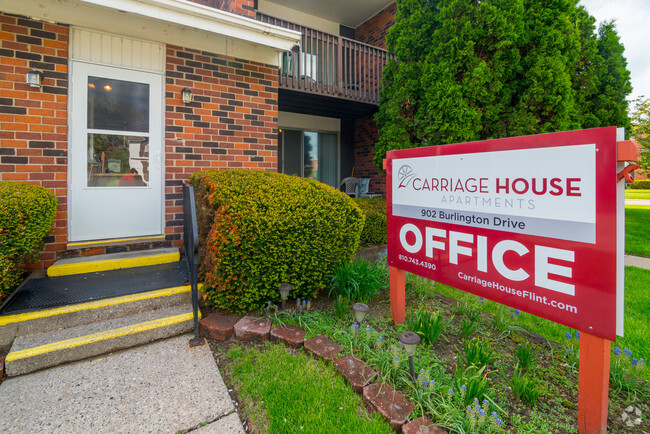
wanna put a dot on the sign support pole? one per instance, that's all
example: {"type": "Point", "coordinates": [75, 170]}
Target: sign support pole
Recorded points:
{"type": "Point", "coordinates": [398, 294]}
{"type": "Point", "coordinates": [593, 384]}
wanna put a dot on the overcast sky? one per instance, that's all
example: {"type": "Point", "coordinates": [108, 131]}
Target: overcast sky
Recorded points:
{"type": "Point", "coordinates": [633, 27]}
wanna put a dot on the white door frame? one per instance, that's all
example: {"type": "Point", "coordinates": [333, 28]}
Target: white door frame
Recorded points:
{"type": "Point", "coordinates": [77, 154]}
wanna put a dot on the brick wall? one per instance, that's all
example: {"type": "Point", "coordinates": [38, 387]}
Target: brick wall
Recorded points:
{"type": "Point", "coordinates": [241, 7]}
{"type": "Point", "coordinates": [231, 122]}
{"type": "Point", "coordinates": [33, 122]}
{"type": "Point", "coordinates": [365, 137]}
{"type": "Point", "coordinates": [374, 30]}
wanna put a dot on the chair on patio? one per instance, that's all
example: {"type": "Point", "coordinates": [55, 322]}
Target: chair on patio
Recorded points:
{"type": "Point", "coordinates": [350, 186]}
{"type": "Point", "coordinates": [364, 186]}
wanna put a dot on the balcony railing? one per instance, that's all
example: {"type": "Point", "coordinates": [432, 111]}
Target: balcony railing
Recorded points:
{"type": "Point", "coordinates": [331, 65]}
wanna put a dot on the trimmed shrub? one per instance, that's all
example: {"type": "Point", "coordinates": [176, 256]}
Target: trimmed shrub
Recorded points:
{"type": "Point", "coordinates": [26, 215]}
{"type": "Point", "coordinates": [259, 229]}
{"type": "Point", "coordinates": [640, 185]}
{"type": "Point", "coordinates": [374, 231]}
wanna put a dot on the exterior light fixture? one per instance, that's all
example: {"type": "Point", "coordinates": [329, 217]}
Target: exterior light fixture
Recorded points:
{"type": "Point", "coordinates": [284, 289]}
{"type": "Point", "coordinates": [360, 311]}
{"type": "Point", "coordinates": [186, 95]}
{"type": "Point", "coordinates": [410, 340]}
{"type": "Point", "coordinates": [34, 78]}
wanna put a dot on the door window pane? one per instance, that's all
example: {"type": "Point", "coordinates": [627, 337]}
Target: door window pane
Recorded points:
{"type": "Point", "coordinates": [328, 159]}
{"type": "Point", "coordinates": [311, 155]}
{"type": "Point", "coordinates": [292, 155]}
{"type": "Point", "coordinates": [118, 105]}
{"type": "Point", "coordinates": [118, 160]}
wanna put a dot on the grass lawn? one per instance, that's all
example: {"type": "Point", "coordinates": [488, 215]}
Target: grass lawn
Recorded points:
{"type": "Point", "coordinates": [637, 194]}
{"type": "Point", "coordinates": [637, 230]}
{"type": "Point", "coordinates": [283, 390]}
{"type": "Point", "coordinates": [296, 393]}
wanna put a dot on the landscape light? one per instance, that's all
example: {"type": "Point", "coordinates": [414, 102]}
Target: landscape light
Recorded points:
{"type": "Point", "coordinates": [410, 341]}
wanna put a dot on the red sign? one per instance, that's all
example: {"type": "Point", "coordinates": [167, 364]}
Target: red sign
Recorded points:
{"type": "Point", "coordinates": [529, 222]}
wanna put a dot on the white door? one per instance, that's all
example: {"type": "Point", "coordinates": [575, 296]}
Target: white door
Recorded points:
{"type": "Point", "coordinates": [115, 187]}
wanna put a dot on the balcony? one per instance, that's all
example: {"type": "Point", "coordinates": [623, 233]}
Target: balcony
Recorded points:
{"type": "Point", "coordinates": [330, 65]}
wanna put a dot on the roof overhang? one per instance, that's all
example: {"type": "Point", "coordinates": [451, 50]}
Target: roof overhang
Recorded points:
{"type": "Point", "coordinates": [176, 22]}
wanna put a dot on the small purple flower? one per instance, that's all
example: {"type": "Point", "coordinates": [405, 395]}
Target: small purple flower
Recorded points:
{"type": "Point", "coordinates": [627, 352]}
{"type": "Point", "coordinates": [368, 330]}
{"type": "Point", "coordinates": [494, 413]}
{"type": "Point", "coordinates": [463, 387]}
{"type": "Point", "coordinates": [577, 335]}
{"type": "Point", "coordinates": [478, 408]}
{"type": "Point", "coordinates": [268, 307]}
{"type": "Point", "coordinates": [298, 300]}
{"type": "Point", "coordinates": [356, 326]}
{"type": "Point", "coordinates": [469, 408]}
{"type": "Point", "coordinates": [300, 307]}
{"type": "Point", "coordinates": [396, 359]}
{"type": "Point", "coordinates": [517, 312]}
{"type": "Point", "coordinates": [450, 391]}
{"type": "Point", "coordinates": [635, 361]}
{"type": "Point", "coordinates": [486, 402]}
{"type": "Point", "coordinates": [568, 335]}
{"type": "Point", "coordinates": [424, 383]}
{"type": "Point", "coordinates": [499, 421]}
{"type": "Point", "coordinates": [642, 362]}
{"type": "Point", "coordinates": [512, 316]}
{"type": "Point", "coordinates": [481, 412]}
{"type": "Point", "coordinates": [617, 351]}
{"type": "Point", "coordinates": [379, 339]}
{"type": "Point", "coordinates": [268, 302]}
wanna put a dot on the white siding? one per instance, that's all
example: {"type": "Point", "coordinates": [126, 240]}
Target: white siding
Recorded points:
{"type": "Point", "coordinates": [98, 47]}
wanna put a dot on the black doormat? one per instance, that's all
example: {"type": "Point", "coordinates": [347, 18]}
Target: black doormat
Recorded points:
{"type": "Point", "coordinates": [64, 290]}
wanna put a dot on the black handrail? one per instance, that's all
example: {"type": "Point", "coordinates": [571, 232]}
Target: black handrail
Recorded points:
{"type": "Point", "coordinates": [191, 246]}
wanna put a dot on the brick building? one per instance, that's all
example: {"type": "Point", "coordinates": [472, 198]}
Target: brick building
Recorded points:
{"type": "Point", "coordinates": [111, 132]}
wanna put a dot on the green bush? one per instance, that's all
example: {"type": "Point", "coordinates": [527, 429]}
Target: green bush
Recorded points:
{"type": "Point", "coordinates": [374, 231]}
{"type": "Point", "coordinates": [26, 216]}
{"type": "Point", "coordinates": [259, 229]}
{"type": "Point", "coordinates": [640, 185]}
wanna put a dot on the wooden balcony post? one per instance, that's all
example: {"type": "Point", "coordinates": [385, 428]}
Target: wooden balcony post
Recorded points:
{"type": "Point", "coordinates": [339, 66]}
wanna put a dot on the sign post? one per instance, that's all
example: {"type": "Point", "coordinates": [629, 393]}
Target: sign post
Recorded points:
{"type": "Point", "coordinates": [529, 222]}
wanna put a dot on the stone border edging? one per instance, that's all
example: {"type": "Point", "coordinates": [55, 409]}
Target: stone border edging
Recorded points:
{"type": "Point", "coordinates": [377, 397]}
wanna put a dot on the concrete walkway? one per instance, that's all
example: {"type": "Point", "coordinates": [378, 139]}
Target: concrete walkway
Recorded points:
{"type": "Point", "coordinates": [164, 386]}
{"type": "Point", "coordinates": [637, 202]}
{"type": "Point", "coordinates": [637, 261]}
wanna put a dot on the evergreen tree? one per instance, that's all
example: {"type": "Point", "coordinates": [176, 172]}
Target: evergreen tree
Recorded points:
{"type": "Point", "coordinates": [609, 104]}
{"type": "Point", "coordinates": [467, 70]}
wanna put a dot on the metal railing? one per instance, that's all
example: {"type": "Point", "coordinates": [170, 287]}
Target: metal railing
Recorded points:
{"type": "Point", "coordinates": [191, 246]}
{"type": "Point", "coordinates": [330, 65]}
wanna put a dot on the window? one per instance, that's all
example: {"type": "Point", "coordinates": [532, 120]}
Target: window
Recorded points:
{"type": "Point", "coordinates": [311, 155]}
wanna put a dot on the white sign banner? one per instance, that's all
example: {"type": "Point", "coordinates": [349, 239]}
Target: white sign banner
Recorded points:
{"type": "Point", "coordinates": [548, 192]}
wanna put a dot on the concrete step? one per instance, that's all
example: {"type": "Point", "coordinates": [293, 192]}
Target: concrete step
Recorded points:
{"type": "Point", "coordinates": [50, 320]}
{"type": "Point", "coordinates": [112, 261]}
{"type": "Point", "coordinates": [34, 352]}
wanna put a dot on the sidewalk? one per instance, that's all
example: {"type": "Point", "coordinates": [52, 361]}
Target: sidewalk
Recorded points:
{"type": "Point", "coordinates": [637, 261]}
{"type": "Point", "coordinates": [637, 202]}
{"type": "Point", "coordinates": [161, 387]}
